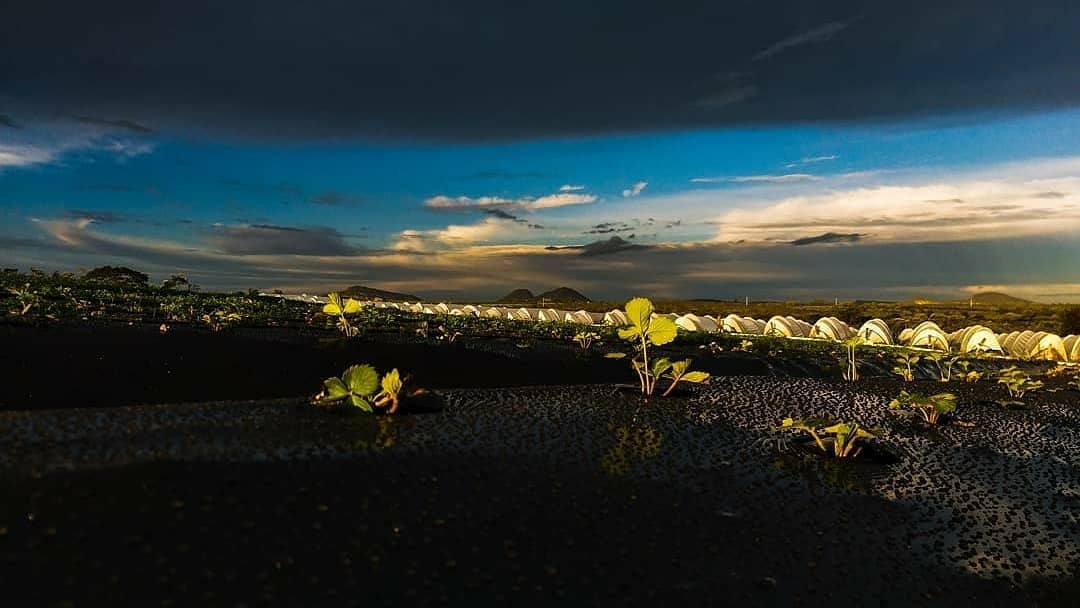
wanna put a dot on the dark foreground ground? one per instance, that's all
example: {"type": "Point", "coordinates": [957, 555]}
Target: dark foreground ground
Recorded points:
{"type": "Point", "coordinates": [578, 495]}
{"type": "Point", "coordinates": [111, 365]}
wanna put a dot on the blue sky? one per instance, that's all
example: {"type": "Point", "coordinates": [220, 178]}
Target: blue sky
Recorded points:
{"type": "Point", "coordinates": [166, 191]}
{"type": "Point", "coordinates": [834, 150]}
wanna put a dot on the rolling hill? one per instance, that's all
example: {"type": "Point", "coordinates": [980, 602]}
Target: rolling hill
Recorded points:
{"type": "Point", "coordinates": [361, 291]}
{"type": "Point", "coordinates": [561, 295]}
{"type": "Point", "coordinates": [998, 299]}
{"type": "Point", "coordinates": [518, 296]}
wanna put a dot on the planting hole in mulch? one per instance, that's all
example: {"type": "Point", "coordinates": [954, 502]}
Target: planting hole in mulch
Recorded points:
{"type": "Point", "coordinates": [803, 458]}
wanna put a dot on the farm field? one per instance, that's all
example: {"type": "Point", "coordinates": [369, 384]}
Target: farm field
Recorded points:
{"type": "Point", "coordinates": [164, 448]}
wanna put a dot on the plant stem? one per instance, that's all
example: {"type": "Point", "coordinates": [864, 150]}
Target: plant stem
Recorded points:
{"type": "Point", "coordinates": [675, 380]}
{"type": "Point", "coordinates": [648, 389]}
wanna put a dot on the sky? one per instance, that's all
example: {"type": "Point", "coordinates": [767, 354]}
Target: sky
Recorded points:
{"type": "Point", "coordinates": [458, 150]}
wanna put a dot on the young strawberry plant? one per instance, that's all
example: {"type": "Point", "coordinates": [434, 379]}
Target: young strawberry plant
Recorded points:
{"type": "Point", "coordinates": [966, 373]}
{"type": "Point", "coordinates": [26, 297]}
{"type": "Point", "coordinates": [851, 368]}
{"type": "Point", "coordinates": [840, 440]}
{"type": "Point", "coordinates": [361, 386]}
{"type": "Point", "coordinates": [585, 339]}
{"type": "Point", "coordinates": [341, 309]}
{"type": "Point", "coordinates": [944, 364]}
{"type": "Point", "coordinates": [680, 371]}
{"type": "Point", "coordinates": [905, 369]}
{"type": "Point", "coordinates": [645, 331]}
{"type": "Point", "coordinates": [931, 408]}
{"type": "Point", "coordinates": [1018, 384]}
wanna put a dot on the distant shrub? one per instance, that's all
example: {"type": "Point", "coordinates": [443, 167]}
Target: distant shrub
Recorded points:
{"type": "Point", "coordinates": [1070, 321]}
{"type": "Point", "coordinates": [117, 275]}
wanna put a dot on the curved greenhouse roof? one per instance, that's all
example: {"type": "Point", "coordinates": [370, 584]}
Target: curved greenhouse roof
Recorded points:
{"type": "Point", "coordinates": [1034, 345]}
{"type": "Point", "coordinates": [788, 327]}
{"type": "Point", "coordinates": [742, 325]}
{"type": "Point", "coordinates": [616, 317]}
{"type": "Point", "coordinates": [831, 328]}
{"type": "Point", "coordinates": [974, 339]}
{"type": "Point", "coordinates": [876, 331]}
{"type": "Point", "coordinates": [925, 335]}
{"type": "Point", "coordinates": [692, 322]}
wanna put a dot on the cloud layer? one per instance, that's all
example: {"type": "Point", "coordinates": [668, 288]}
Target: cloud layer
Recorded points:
{"type": "Point", "coordinates": [718, 270]}
{"type": "Point", "coordinates": [489, 69]}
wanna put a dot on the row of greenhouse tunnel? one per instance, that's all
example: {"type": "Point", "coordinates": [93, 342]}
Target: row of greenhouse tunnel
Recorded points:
{"type": "Point", "coordinates": [926, 335]}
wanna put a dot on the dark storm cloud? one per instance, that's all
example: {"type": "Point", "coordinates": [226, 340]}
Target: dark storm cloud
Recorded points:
{"type": "Point", "coordinates": [503, 215]}
{"type": "Point", "coordinates": [127, 125]}
{"type": "Point", "coordinates": [613, 245]}
{"type": "Point", "coordinates": [829, 237]}
{"type": "Point", "coordinates": [7, 121]}
{"type": "Point", "coordinates": [268, 239]}
{"type": "Point", "coordinates": [609, 227]}
{"type": "Point", "coordinates": [490, 69]}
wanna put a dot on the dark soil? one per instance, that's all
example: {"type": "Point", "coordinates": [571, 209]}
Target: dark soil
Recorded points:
{"type": "Point", "coordinates": [78, 366]}
{"type": "Point", "coordinates": [572, 495]}
{"type": "Point", "coordinates": [449, 531]}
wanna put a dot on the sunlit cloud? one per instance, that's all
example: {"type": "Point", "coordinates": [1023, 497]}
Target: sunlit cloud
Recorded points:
{"type": "Point", "coordinates": [960, 211]}
{"type": "Point", "coordinates": [475, 268]}
{"type": "Point", "coordinates": [635, 190]}
{"type": "Point", "coordinates": [53, 141]}
{"type": "Point", "coordinates": [810, 160]}
{"type": "Point", "coordinates": [24, 155]}
{"type": "Point", "coordinates": [527, 203]}
{"type": "Point", "coordinates": [786, 178]}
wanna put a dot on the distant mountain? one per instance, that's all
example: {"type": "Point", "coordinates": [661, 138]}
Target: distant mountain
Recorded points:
{"type": "Point", "coordinates": [360, 291]}
{"type": "Point", "coordinates": [561, 295]}
{"type": "Point", "coordinates": [518, 296]}
{"type": "Point", "coordinates": [997, 298]}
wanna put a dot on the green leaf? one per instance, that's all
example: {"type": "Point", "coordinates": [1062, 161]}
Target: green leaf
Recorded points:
{"type": "Point", "coordinates": [360, 402]}
{"type": "Point", "coordinates": [659, 366]}
{"type": "Point", "coordinates": [391, 382]}
{"type": "Point", "coordinates": [362, 380]}
{"type": "Point", "coordinates": [696, 377]}
{"type": "Point", "coordinates": [629, 333]}
{"type": "Point", "coordinates": [662, 330]}
{"type": "Point", "coordinates": [639, 311]}
{"type": "Point", "coordinates": [333, 307]}
{"type": "Point", "coordinates": [943, 402]}
{"type": "Point", "coordinates": [678, 368]}
{"type": "Point", "coordinates": [615, 356]}
{"type": "Point", "coordinates": [335, 389]}
{"type": "Point", "coordinates": [351, 307]}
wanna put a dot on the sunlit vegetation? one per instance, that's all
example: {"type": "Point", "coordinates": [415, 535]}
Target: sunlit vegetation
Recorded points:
{"type": "Point", "coordinates": [361, 388]}
{"type": "Point", "coordinates": [837, 439]}
{"type": "Point", "coordinates": [905, 365]}
{"type": "Point", "coordinates": [851, 365]}
{"type": "Point", "coordinates": [645, 331]}
{"type": "Point", "coordinates": [1018, 383]}
{"type": "Point", "coordinates": [930, 407]}
{"type": "Point", "coordinates": [340, 310]}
